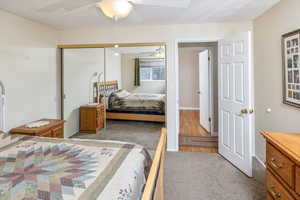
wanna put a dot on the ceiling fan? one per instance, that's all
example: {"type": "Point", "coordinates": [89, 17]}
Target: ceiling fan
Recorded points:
{"type": "Point", "coordinates": [115, 9]}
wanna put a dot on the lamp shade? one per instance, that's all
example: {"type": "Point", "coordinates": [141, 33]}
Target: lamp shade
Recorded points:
{"type": "Point", "coordinates": [115, 9]}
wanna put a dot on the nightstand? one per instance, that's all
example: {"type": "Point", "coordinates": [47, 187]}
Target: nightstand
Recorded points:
{"type": "Point", "coordinates": [55, 129]}
{"type": "Point", "coordinates": [91, 118]}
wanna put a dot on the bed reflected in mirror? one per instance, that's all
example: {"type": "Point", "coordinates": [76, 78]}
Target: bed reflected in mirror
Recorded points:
{"type": "Point", "coordinates": [116, 93]}
{"type": "Point", "coordinates": [135, 83]}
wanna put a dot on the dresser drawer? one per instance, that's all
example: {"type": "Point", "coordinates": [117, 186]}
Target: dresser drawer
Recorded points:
{"type": "Point", "coordinates": [45, 134]}
{"type": "Point", "coordinates": [58, 132]}
{"type": "Point", "coordinates": [283, 166]}
{"type": "Point", "coordinates": [276, 190]}
{"type": "Point", "coordinates": [269, 197]}
{"type": "Point", "coordinates": [298, 180]}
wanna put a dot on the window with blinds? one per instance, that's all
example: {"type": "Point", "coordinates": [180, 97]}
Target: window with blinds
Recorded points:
{"type": "Point", "coordinates": [152, 69]}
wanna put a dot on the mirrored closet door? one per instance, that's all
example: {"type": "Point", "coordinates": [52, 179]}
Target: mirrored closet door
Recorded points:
{"type": "Point", "coordinates": [105, 88]}
{"type": "Point", "coordinates": [135, 84]}
{"type": "Point", "coordinates": [82, 68]}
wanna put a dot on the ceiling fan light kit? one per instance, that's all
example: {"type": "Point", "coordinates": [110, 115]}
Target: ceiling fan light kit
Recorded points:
{"type": "Point", "coordinates": [116, 9]}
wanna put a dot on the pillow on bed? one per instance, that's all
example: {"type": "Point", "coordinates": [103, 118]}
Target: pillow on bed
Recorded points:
{"type": "Point", "coordinates": [121, 93]}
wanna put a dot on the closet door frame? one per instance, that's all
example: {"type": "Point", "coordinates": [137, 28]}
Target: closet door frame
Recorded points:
{"type": "Point", "coordinates": [61, 49]}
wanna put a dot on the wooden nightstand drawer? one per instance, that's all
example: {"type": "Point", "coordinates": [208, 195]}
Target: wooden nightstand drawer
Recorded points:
{"type": "Point", "coordinates": [91, 118]}
{"type": "Point", "coordinates": [276, 190]}
{"type": "Point", "coordinates": [298, 180]}
{"type": "Point", "coordinates": [282, 165]}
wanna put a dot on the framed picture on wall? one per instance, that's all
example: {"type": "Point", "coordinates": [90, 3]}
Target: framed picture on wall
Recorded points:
{"type": "Point", "coordinates": [291, 68]}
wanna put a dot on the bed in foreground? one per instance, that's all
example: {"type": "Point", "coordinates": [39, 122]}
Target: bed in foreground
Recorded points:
{"type": "Point", "coordinates": [44, 168]}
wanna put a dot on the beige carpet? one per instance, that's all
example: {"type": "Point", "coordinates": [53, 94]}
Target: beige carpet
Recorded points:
{"type": "Point", "coordinates": [189, 176]}
{"type": "Point", "coordinates": [198, 141]}
{"type": "Point", "coordinates": [143, 133]}
{"type": "Point", "coordinates": [203, 176]}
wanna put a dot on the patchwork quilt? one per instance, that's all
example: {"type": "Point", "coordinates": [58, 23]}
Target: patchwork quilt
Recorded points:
{"type": "Point", "coordinates": [137, 102]}
{"type": "Point", "coordinates": [65, 169]}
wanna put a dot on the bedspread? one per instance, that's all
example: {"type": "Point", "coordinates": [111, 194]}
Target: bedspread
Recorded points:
{"type": "Point", "coordinates": [47, 168]}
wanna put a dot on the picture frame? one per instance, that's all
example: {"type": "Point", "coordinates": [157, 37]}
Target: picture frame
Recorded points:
{"type": "Point", "coordinates": [290, 45]}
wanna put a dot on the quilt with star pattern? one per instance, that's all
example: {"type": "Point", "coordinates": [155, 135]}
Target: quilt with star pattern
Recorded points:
{"type": "Point", "coordinates": [71, 169]}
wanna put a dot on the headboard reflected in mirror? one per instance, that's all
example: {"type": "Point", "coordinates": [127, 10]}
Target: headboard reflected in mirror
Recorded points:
{"type": "Point", "coordinates": [2, 88]}
{"type": "Point", "coordinates": [104, 89]}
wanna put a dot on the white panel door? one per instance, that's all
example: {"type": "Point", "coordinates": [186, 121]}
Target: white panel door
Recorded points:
{"type": "Point", "coordinates": [204, 90]}
{"type": "Point", "coordinates": [79, 66]}
{"type": "Point", "coordinates": [235, 101]}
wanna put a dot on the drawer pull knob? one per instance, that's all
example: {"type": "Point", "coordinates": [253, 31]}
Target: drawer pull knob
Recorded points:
{"type": "Point", "coordinates": [275, 194]}
{"type": "Point", "coordinates": [277, 166]}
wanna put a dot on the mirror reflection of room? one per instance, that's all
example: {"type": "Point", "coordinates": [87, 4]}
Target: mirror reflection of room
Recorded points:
{"type": "Point", "coordinates": [81, 68]}
{"type": "Point", "coordinates": [133, 94]}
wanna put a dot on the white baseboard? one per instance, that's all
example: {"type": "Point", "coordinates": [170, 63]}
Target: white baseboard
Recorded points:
{"type": "Point", "coordinates": [173, 150]}
{"type": "Point", "coordinates": [189, 108]}
{"type": "Point", "coordinates": [260, 161]}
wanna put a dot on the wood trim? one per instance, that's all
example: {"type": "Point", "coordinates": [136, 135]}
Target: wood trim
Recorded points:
{"type": "Point", "coordinates": [286, 154]}
{"type": "Point", "coordinates": [135, 117]}
{"type": "Point", "coordinates": [298, 180]}
{"type": "Point", "coordinates": [107, 83]}
{"type": "Point", "coordinates": [284, 184]}
{"type": "Point", "coordinates": [286, 143]}
{"type": "Point", "coordinates": [109, 45]}
{"type": "Point", "coordinates": [154, 188]}
{"type": "Point", "coordinates": [283, 37]}
{"type": "Point", "coordinates": [291, 33]}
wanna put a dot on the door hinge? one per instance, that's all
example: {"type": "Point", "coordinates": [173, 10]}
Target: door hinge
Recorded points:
{"type": "Point", "coordinates": [209, 119]}
{"type": "Point", "coordinates": [209, 58]}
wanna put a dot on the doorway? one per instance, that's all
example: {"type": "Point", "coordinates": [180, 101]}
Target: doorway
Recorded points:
{"type": "Point", "coordinates": [235, 99]}
{"type": "Point", "coordinates": [198, 103]}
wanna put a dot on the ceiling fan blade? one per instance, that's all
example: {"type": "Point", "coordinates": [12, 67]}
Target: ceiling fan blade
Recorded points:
{"type": "Point", "coordinates": [67, 5]}
{"type": "Point", "coordinates": [164, 3]}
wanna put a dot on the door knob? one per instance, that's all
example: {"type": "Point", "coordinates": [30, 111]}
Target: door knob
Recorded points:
{"type": "Point", "coordinates": [244, 111]}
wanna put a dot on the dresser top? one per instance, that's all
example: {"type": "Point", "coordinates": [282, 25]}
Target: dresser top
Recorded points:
{"type": "Point", "coordinates": [288, 143]}
{"type": "Point", "coordinates": [25, 130]}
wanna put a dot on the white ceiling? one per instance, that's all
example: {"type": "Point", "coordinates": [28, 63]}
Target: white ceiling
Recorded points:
{"type": "Point", "coordinates": [198, 11]}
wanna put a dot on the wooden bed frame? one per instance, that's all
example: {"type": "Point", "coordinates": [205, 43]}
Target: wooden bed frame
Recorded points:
{"type": "Point", "coordinates": [103, 87]}
{"type": "Point", "coordinates": [154, 189]}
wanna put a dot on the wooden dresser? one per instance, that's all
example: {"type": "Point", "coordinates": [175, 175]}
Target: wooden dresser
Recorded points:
{"type": "Point", "coordinates": [283, 166]}
{"type": "Point", "coordinates": [91, 118]}
{"type": "Point", "coordinates": [55, 129]}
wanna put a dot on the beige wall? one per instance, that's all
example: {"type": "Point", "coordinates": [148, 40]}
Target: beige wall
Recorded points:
{"type": "Point", "coordinates": [189, 77]}
{"type": "Point", "coordinates": [160, 33]}
{"type": "Point", "coordinates": [158, 87]}
{"type": "Point", "coordinates": [29, 69]}
{"type": "Point", "coordinates": [113, 66]}
{"type": "Point", "coordinates": [268, 28]}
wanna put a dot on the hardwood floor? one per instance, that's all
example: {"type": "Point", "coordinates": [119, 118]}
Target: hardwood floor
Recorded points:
{"type": "Point", "coordinates": [198, 149]}
{"type": "Point", "coordinates": [190, 126]}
